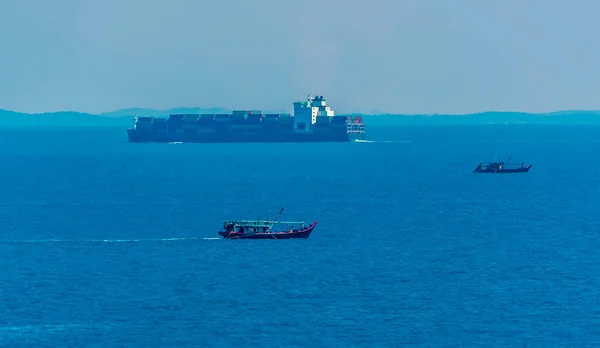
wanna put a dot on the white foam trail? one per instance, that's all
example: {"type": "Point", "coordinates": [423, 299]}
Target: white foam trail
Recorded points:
{"type": "Point", "coordinates": [383, 141]}
{"type": "Point", "coordinates": [538, 141]}
{"type": "Point", "coordinates": [10, 335]}
{"type": "Point", "coordinates": [105, 240]}
{"type": "Point", "coordinates": [485, 141]}
{"type": "Point", "coordinates": [38, 328]}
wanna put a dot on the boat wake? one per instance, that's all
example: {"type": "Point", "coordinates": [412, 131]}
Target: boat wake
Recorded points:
{"type": "Point", "coordinates": [540, 141]}
{"type": "Point", "coordinates": [384, 141]}
{"type": "Point", "coordinates": [48, 328]}
{"type": "Point", "coordinates": [11, 336]}
{"type": "Point", "coordinates": [90, 241]}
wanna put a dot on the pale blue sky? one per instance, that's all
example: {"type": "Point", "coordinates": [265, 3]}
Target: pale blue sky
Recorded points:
{"type": "Point", "coordinates": [402, 56]}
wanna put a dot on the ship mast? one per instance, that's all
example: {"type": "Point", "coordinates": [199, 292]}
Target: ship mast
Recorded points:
{"type": "Point", "coordinates": [276, 217]}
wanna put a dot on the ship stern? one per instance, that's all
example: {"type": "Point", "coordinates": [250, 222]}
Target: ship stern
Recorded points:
{"type": "Point", "coordinates": [133, 136]}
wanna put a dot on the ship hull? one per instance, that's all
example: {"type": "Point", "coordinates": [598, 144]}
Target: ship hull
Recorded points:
{"type": "Point", "coordinates": [296, 234]}
{"type": "Point", "coordinates": [313, 121]}
{"type": "Point", "coordinates": [504, 171]}
{"type": "Point", "coordinates": [136, 136]}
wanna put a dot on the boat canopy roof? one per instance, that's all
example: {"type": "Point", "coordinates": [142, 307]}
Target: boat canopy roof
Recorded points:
{"type": "Point", "coordinates": [258, 223]}
{"type": "Point", "coordinates": [501, 162]}
{"type": "Point", "coordinates": [261, 223]}
{"type": "Point", "coordinates": [504, 163]}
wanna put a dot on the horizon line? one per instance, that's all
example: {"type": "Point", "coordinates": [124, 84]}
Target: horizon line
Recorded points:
{"type": "Point", "coordinates": [104, 114]}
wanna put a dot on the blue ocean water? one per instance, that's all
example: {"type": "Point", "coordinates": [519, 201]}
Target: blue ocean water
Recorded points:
{"type": "Point", "coordinates": [105, 243]}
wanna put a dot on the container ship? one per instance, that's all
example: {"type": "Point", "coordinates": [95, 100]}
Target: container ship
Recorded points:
{"type": "Point", "coordinates": [313, 121]}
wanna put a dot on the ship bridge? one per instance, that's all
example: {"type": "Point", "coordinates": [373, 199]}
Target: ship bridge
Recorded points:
{"type": "Point", "coordinates": [307, 111]}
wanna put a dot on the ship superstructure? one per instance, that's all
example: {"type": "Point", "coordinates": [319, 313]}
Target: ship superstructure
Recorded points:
{"type": "Point", "coordinates": [313, 121]}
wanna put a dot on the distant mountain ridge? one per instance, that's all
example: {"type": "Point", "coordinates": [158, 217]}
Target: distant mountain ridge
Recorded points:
{"type": "Point", "coordinates": [124, 118]}
{"type": "Point", "coordinates": [490, 117]}
{"type": "Point", "coordinates": [163, 113]}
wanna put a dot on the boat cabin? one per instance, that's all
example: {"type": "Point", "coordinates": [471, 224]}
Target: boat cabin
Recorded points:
{"type": "Point", "coordinates": [498, 165]}
{"type": "Point", "coordinates": [493, 165]}
{"type": "Point", "coordinates": [257, 226]}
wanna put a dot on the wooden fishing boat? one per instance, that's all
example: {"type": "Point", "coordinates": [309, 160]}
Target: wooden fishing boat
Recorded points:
{"type": "Point", "coordinates": [500, 167]}
{"type": "Point", "coordinates": [264, 229]}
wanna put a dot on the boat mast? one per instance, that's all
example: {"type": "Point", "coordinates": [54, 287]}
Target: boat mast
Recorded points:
{"type": "Point", "coordinates": [276, 217]}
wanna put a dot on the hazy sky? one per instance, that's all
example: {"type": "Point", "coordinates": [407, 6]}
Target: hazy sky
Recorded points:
{"type": "Point", "coordinates": [404, 56]}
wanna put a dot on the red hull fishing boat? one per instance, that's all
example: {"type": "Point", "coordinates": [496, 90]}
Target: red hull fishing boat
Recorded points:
{"type": "Point", "coordinates": [502, 167]}
{"type": "Point", "coordinates": [263, 229]}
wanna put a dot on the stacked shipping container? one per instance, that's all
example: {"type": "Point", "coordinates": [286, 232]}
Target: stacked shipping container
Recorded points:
{"type": "Point", "coordinates": [206, 123]}
{"type": "Point", "coordinates": [244, 122]}
{"type": "Point", "coordinates": [190, 124]}
{"type": "Point", "coordinates": [251, 126]}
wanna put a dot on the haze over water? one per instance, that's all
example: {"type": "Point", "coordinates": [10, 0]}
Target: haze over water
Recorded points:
{"type": "Point", "coordinates": [106, 243]}
{"type": "Point", "coordinates": [407, 56]}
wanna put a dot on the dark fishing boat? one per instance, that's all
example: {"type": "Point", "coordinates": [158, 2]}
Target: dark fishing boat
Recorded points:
{"type": "Point", "coordinates": [263, 229]}
{"type": "Point", "coordinates": [500, 167]}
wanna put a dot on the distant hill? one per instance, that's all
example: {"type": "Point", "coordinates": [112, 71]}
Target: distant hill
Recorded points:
{"type": "Point", "coordinates": [124, 118]}
{"type": "Point", "coordinates": [490, 117]}
{"type": "Point", "coordinates": [163, 113]}
{"type": "Point", "coordinates": [63, 118]}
